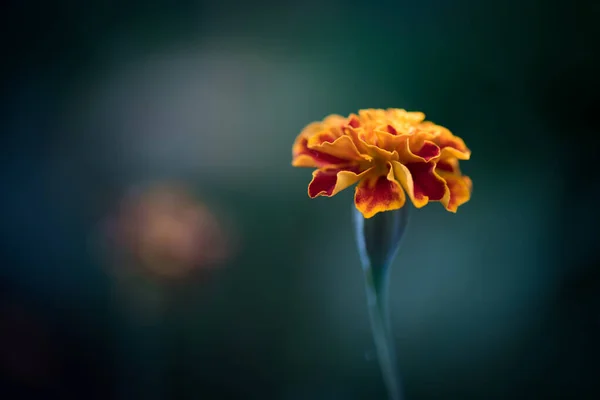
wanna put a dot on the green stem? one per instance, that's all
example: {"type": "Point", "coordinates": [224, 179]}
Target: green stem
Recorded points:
{"type": "Point", "coordinates": [377, 302]}
{"type": "Point", "coordinates": [378, 239]}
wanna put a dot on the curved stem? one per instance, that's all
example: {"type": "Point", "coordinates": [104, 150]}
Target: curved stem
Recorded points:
{"type": "Point", "coordinates": [380, 325]}
{"type": "Point", "coordinates": [378, 239]}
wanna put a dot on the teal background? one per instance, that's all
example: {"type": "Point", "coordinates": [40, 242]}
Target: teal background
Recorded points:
{"type": "Point", "coordinates": [497, 301]}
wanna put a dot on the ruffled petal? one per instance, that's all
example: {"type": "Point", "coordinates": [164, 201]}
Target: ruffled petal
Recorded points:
{"type": "Point", "coordinates": [455, 147]}
{"type": "Point", "coordinates": [332, 122]}
{"type": "Point", "coordinates": [403, 117]}
{"type": "Point", "coordinates": [447, 164]}
{"type": "Point", "coordinates": [302, 156]}
{"type": "Point", "coordinates": [378, 192]}
{"type": "Point", "coordinates": [449, 144]}
{"type": "Point", "coordinates": [330, 181]}
{"type": "Point", "coordinates": [418, 149]}
{"type": "Point", "coordinates": [341, 147]}
{"type": "Point", "coordinates": [421, 182]}
{"type": "Point", "coordinates": [427, 151]}
{"type": "Point", "coordinates": [388, 138]}
{"type": "Point", "coordinates": [397, 116]}
{"type": "Point", "coordinates": [367, 143]}
{"type": "Point", "coordinates": [460, 188]}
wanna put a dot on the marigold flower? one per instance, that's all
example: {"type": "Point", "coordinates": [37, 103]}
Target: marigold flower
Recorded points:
{"type": "Point", "coordinates": [388, 152]}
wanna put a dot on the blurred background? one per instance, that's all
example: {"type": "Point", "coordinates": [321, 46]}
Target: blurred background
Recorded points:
{"type": "Point", "coordinates": [157, 244]}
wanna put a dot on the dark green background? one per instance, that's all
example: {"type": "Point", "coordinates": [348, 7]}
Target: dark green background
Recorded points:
{"type": "Point", "coordinates": [497, 301]}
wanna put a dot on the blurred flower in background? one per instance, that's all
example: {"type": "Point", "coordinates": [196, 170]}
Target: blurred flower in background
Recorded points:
{"type": "Point", "coordinates": [165, 233]}
{"type": "Point", "coordinates": [162, 242]}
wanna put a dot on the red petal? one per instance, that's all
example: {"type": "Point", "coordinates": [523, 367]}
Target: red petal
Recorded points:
{"type": "Point", "coordinates": [377, 193]}
{"type": "Point", "coordinates": [426, 182]}
{"type": "Point", "coordinates": [328, 182]}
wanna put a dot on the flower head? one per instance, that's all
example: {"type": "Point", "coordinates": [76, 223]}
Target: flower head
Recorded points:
{"type": "Point", "coordinates": [388, 152]}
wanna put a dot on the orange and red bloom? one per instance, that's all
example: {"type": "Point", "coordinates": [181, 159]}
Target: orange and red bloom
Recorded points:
{"type": "Point", "coordinates": [388, 152]}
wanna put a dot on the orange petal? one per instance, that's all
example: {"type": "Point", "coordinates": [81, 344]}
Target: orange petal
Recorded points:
{"type": "Point", "coordinates": [460, 190]}
{"type": "Point", "coordinates": [447, 164]}
{"type": "Point", "coordinates": [330, 181]}
{"type": "Point", "coordinates": [451, 145]}
{"type": "Point", "coordinates": [332, 121]}
{"type": "Point", "coordinates": [335, 121]}
{"type": "Point", "coordinates": [406, 117]}
{"type": "Point", "coordinates": [397, 116]}
{"type": "Point", "coordinates": [418, 149]}
{"type": "Point", "coordinates": [455, 147]}
{"type": "Point", "coordinates": [468, 182]}
{"type": "Point", "coordinates": [360, 129]}
{"type": "Point", "coordinates": [378, 192]}
{"type": "Point", "coordinates": [389, 139]}
{"type": "Point", "coordinates": [302, 156]}
{"type": "Point", "coordinates": [421, 182]}
{"type": "Point", "coordinates": [353, 121]}
{"type": "Point", "coordinates": [367, 144]}
{"type": "Point", "coordinates": [341, 147]}
{"type": "Point", "coordinates": [371, 115]}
